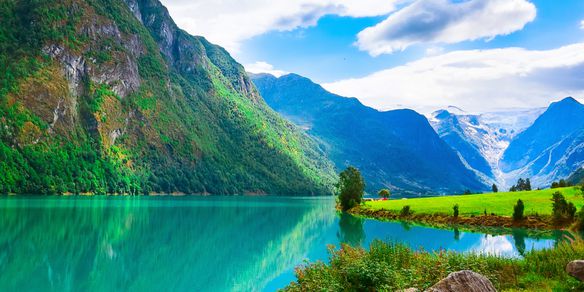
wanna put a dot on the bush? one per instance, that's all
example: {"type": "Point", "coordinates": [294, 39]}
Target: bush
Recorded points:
{"type": "Point", "coordinates": [394, 266]}
{"type": "Point", "coordinates": [581, 219]}
{"type": "Point", "coordinates": [562, 210]}
{"type": "Point", "coordinates": [406, 211]}
{"type": "Point", "coordinates": [518, 211]}
{"type": "Point", "coordinates": [455, 210]}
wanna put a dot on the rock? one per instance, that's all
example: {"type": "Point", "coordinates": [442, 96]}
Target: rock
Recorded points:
{"type": "Point", "coordinates": [576, 269]}
{"type": "Point", "coordinates": [410, 290]}
{"type": "Point", "coordinates": [467, 281]}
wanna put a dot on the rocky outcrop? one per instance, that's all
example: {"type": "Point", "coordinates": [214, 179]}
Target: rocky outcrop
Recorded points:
{"type": "Point", "coordinates": [576, 269]}
{"type": "Point", "coordinates": [467, 281]}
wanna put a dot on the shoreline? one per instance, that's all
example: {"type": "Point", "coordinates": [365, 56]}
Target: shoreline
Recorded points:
{"type": "Point", "coordinates": [540, 222]}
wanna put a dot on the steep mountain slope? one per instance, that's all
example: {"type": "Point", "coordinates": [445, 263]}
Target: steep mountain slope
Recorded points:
{"type": "Point", "coordinates": [551, 148]}
{"type": "Point", "coordinates": [396, 149]}
{"type": "Point", "coordinates": [481, 139]}
{"type": "Point", "coordinates": [111, 96]}
{"type": "Point", "coordinates": [577, 177]}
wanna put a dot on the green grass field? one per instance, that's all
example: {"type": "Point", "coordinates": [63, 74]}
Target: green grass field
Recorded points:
{"type": "Point", "coordinates": [499, 203]}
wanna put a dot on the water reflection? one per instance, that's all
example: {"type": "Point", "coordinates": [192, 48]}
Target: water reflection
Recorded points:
{"type": "Point", "coordinates": [351, 229]}
{"type": "Point", "coordinates": [195, 244]}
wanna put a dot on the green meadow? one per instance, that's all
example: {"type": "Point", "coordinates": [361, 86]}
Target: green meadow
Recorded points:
{"type": "Point", "coordinates": [536, 202]}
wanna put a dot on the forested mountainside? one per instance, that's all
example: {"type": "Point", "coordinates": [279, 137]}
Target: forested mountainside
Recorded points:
{"type": "Point", "coordinates": [110, 96]}
{"type": "Point", "coordinates": [394, 149]}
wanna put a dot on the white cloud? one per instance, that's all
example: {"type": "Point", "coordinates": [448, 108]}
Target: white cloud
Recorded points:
{"type": "Point", "coordinates": [264, 67]}
{"type": "Point", "coordinates": [443, 21]}
{"type": "Point", "coordinates": [582, 24]}
{"type": "Point", "coordinates": [229, 22]}
{"type": "Point", "coordinates": [476, 80]}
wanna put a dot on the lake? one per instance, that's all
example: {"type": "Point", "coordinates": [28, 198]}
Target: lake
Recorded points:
{"type": "Point", "coordinates": [195, 243]}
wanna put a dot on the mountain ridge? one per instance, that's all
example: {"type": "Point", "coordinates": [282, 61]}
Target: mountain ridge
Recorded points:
{"type": "Point", "coordinates": [396, 149]}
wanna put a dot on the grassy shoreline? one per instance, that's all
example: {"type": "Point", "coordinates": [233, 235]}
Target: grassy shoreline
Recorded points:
{"type": "Point", "coordinates": [389, 266]}
{"type": "Point", "coordinates": [481, 210]}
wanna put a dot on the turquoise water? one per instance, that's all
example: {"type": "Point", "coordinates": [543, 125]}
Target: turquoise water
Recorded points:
{"type": "Point", "coordinates": [193, 243]}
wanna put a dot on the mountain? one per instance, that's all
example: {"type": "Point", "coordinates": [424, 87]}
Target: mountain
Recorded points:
{"type": "Point", "coordinates": [110, 96]}
{"type": "Point", "coordinates": [577, 177]}
{"type": "Point", "coordinates": [395, 149]}
{"type": "Point", "coordinates": [551, 148]}
{"type": "Point", "coordinates": [481, 139]}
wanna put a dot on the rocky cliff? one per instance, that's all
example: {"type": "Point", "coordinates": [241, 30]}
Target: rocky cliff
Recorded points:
{"type": "Point", "coordinates": [110, 96]}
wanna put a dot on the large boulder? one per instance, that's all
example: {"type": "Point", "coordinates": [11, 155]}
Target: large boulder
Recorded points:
{"type": "Point", "coordinates": [467, 281]}
{"type": "Point", "coordinates": [576, 269]}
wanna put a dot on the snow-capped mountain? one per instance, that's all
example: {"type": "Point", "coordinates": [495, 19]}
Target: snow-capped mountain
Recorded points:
{"type": "Point", "coordinates": [551, 148]}
{"type": "Point", "coordinates": [481, 139]}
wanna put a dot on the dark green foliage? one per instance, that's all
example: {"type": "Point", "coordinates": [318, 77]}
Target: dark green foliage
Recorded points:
{"type": "Point", "coordinates": [562, 210]}
{"type": "Point", "coordinates": [455, 211]}
{"type": "Point", "coordinates": [581, 219]}
{"type": "Point", "coordinates": [406, 211]}
{"type": "Point", "coordinates": [562, 183]}
{"type": "Point", "coordinates": [384, 193]}
{"type": "Point", "coordinates": [350, 188]}
{"type": "Point", "coordinates": [494, 188]}
{"type": "Point", "coordinates": [518, 211]}
{"type": "Point", "coordinates": [522, 185]}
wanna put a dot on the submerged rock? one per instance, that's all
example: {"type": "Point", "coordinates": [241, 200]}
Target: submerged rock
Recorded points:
{"type": "Point", "coordinates": [467, 281]}
{"type": "Point", "coordinates": [576, 269]}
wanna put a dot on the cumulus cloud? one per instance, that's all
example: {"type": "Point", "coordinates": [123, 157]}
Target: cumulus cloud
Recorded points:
{"type": "Point", "coordinates": [229, 22]}
{"type": "Point", "coordinates": [582, 24]}
{"type": "Point", "coordinates": [443, 21]}
{"type": "Point", "coordinates": [476, 80]}
{"type": "Point", "coordinates": [264, 67]}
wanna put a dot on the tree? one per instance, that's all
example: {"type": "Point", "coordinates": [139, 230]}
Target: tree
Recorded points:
{"type": "Point", "coordinates": [494, 188]}
{"type": "Point", "coordinates": [518, 211]}
{"type": "Point", "coordinates": [350, 188]}
{"type": "Point", "coordinates": [562, 210]}
{"type": "Point", "coordinates": [527, 185]}
{"type": "Point", "coordinates": [455, 210]}
{"type": "Point", "coordinates": [522, 185]}
{"type": "Point", "coordinates": [384, 193]}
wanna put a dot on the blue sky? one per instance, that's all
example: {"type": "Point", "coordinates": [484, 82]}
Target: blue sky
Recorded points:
{"type": "Point", "coordinates": [360, 47]}
{"type": "Point", "coordinates": [326, 52]}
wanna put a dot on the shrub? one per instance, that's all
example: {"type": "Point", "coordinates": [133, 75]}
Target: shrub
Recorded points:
{"type": "Point", "coordinates": [394, 266]}
{"type": "Point", "coordinates": [581, 219]}
{"type": "Point", "coordinates": [455, 210]}
{"type": "Point", "coordinates": [562, 210]}
{"type": "Point", "coordinates": [406, 211]}
{"type": "Point", "coordinates": [518, 211]}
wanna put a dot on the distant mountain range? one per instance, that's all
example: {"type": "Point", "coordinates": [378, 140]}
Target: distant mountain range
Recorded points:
{"type": "Point", "coordinates": [551, 148]}
{"type": "Point", "coordinates": [396, 149]}
{"type": "Point", "coordinates": [542, 144]}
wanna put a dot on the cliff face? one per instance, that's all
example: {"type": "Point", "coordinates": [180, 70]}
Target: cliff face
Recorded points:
{"type": "Point", "coordinates": [111, 96]}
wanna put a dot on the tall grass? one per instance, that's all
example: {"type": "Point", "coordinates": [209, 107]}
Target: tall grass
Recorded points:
{"type": "Point", "coordinates": [389, 266]}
